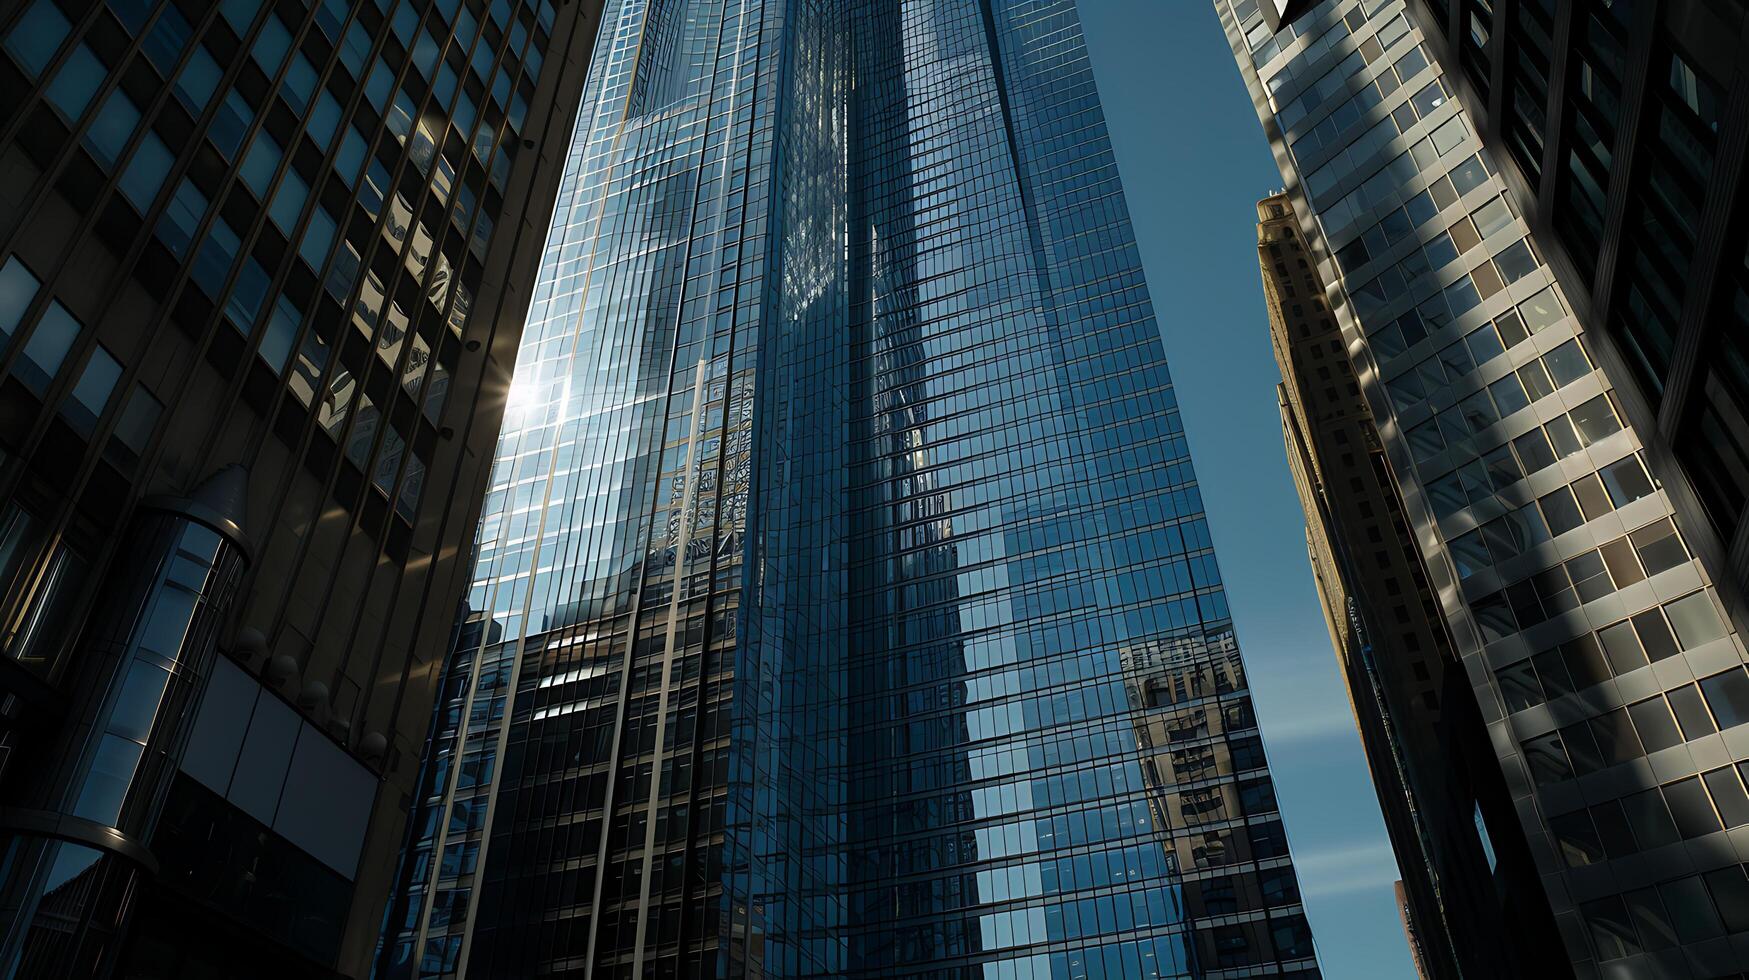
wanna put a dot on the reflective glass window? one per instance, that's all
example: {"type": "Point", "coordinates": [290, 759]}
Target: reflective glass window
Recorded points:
{"type": "Point", "coordinates": [47, 347]}
{"type": "Point", "coordinates": [18, 288]}
{"type": "Point", "coordinates": [76, 82]}
{"type": "Point", "coordinates": [36, 36]}
{"type": "Point", "coordinates": [91, 392]}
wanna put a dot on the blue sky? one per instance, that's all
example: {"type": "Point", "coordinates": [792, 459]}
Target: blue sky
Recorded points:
{"type": "Point", "coordinates": [1194, 163]}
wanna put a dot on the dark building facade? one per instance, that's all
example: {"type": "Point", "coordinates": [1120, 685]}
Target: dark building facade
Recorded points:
{"type": "Point", "coordinates": [1471, 899]}
{"type": "Point", "coordinates": [1591, 633]}
{"type": "Point", "coordinates": [844, 603]}
{"type": "Point", "coordinates": [1622, 126]}
{"type": "Point", "coordinates": [263, 272]}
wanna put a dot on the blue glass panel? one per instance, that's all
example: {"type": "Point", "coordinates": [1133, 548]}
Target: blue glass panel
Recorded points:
{"type": "Point", "coordinates": [198, 81]}
{"type": "Point", "coordinates": [163, 46]}
{"type": "Point", "coordinates": [288, 201]}
{"type": "Point", "coordinates": [76, 82]}
{"type": "Point", "coordinates": [260, 163]}
{"type": "Point", "coordinates": [36, 37]}
{"type": "Point", "coordinates": [17, 289]}
{"type": "Point", "coordinates": [182, 217]}
{"type": "Point", "coordinates": [47, 347]}
{"type": "Point", "coordinates": [91, 393]}
{"type": "Point", "coordinates": [146, 172]}
{"type": "Point", "coordinates": [110, 131]}
{"type": "Point", "coordinates": [230, 123]}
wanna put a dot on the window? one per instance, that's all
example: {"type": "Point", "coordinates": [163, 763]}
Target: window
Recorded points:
{"type": "Point", "coordinates": [109, 132]}
{"type": "Point", "coordinates": [1649, 916]}
{"type": "Point", "coordinates": [112, 771]}
{"type": "Point", "coordinates": [212, 263]}
{"type": "Point", "coordinates": [282, 329]}
{"type": "Point", "coordinates": [1691, 712]}
{"type": "Point", "coordinates": [1730, 894]}
{"type": "Point", "coordinates": [230, 123]}
{"type": "Point", "coordinates": [1691, 808]}
{"type": "Point", "coordinates": [1695, 620]}
{"type": "Point", "coordinates": [47, 347]}
{"type": "Point", "coordinates": [260, 163]}
{"type": "Point", "coordinates": [182, 215]}
{"type": "Point", "coordinates": [1655, 635]}
{"type": "Point", "coordinates": [1595, 419]}
{"type": "Point", "coordinates": [1577, 838]}
{"type": "Point", "coordinates": [407, 501]}
{"type": "Point", "coordinates": [1560, 510]}
{"type": "Point", "coordinates": [324, 120]}
{"type": "Point", "coordinates": [145, 173]}
{"type": "Point", "coordinates": [1656, 727]}
{"type": "Point", "coordinates": [164, 45]}
{"type": "Point", "coordinates": [1616, 741]}
{"type": "Point", "coordinates": [1726, 788]}
{"type": "Point", "coordinates": [1658, 546]}
{"type": "Point", "coordinates": [1626, 481]}
{"type": "Point", "coordinates": [76, 83]}
{"type": "Point", "coordinates": [1612, 934]}
{"type": "Point", "coordinates": [1519, 686]}
{"type": "Point", "coordinates": [47, 626]}
{"type": "Point", "coordinates": [289, 201]}
{"type": "Point", "coordinates": [133, 429]}
{"type": "Point", "coordinates": [363, 433]}
{"type": "Point", "coordinates": [1650, 819]}
{"type": "Point", "coordinates": [199, 78]}
{"type": "Point", "coordinates": [1542, 310]}
{"type": "Point", "coordinates": [36, 37]}
{"type": "Point", "coordinates": [271, 45]}
{"type": "Point", "coordinates": [1593, 500]}
{"type": "Point", "coordinates": [17, 289]}
{"type": "Point", "coordinates": [1548, 759]}
{"type": "Point", "coordinates": [1691, 910]}
{"type": "Point", "coordinates": [1727, 694]}
{"type": "Point", "coordinates": [91, 393]}
{"type": "Point", "coordinates": [388, 460]}
{"type": "Point", "coordinates": [1533, 451]}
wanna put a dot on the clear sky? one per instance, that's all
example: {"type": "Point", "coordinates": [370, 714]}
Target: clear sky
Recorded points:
{"type": "Point", "coordinates": [1194, 163]}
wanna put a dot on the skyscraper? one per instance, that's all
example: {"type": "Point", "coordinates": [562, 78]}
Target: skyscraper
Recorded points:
{"type": "Point", "coordinates": [262, 271]}
{"type": "Point", "coordinates": [1592, 639]}
{"type": "Point", "coordinates": [1612, 122]}
{"type": "Point", "coordinates": [844, 603]}
{"type": "Point", "coordinates": [1472, 903]}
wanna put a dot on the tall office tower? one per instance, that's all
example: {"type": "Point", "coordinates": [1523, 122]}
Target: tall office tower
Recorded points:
{"type": "Point", "coordinates": [844, 603]}
{"type": "Point", "coordinates": [1592, 639]}
{"type": "Point", "coordinates": [263, 270]}
{"type": "Point", "coordinates": [1619, 126]}
{"type": "Point", "coordinates": [1472, 903]}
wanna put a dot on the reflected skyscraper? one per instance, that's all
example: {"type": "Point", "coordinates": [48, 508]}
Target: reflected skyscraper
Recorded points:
{"type": "Point", "coordinates": [844, 603]}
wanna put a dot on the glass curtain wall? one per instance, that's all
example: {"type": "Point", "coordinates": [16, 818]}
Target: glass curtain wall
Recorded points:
{"type": "Point", "coordinates": [844, 602]}
{"type": "Point", "coordinates": [1587, 627]}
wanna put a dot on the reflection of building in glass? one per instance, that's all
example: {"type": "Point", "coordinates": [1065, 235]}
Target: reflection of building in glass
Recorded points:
{"type": "Point", "coordinates": [259, 268]}
{"type": "Point", "coordinates": [1590, 635]}
{"type": "Point", "coordinates": [844, 604]}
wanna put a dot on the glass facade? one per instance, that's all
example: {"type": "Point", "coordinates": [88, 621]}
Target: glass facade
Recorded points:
{"type": "Point", "coordinates": [1546, 538]}
{"type": "Point", "coordinates": [276, 241]}
{"type": "Point", "coordinates": [1641, 203]}
{"type": "Point", "coordinates": [1471, 896]}
{"type": "Point", "coordinates": [844, 603]}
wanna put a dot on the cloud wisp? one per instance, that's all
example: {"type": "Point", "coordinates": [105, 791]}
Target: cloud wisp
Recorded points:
{"type": "Point", "coordinates": [1345, 869]}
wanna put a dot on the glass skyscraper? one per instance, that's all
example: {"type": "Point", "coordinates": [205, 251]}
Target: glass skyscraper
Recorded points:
{"type": "Point", "coordinates": [844, 603]}
{"type": "Point", "coordinates": [1592, 638]}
